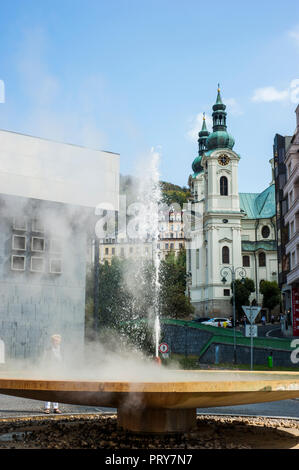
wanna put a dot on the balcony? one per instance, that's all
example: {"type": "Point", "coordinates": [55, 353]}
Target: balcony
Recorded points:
{"type": "Point", "coordinates": [293, 276]}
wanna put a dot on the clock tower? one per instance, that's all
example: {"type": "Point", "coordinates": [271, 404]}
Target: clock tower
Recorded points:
{"type": "Point", "coordinates": [220, 231]}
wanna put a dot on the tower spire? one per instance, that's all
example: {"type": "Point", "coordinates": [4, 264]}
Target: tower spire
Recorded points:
{"type": "Point", "coordinates": [219, 114]}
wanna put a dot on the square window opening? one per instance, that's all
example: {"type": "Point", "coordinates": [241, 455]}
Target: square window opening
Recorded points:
{"type": "Point", "coordinates": [37, 264]}
{"type": "Point", "coordinates": [19, 242]}
{"type": "Point", "coordinates": [38, 244]}
{"type": "Point", "coordinates": [55, 266]}
{"type": "Point", "coordinates": [18, 263]}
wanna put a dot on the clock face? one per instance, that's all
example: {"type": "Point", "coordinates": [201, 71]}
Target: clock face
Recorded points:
{"type": "Point", "coordinates": [223, 160]}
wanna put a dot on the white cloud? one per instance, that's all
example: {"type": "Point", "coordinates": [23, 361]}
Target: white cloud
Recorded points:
{"type": "Point", "coordinates": [196, 125]}
{"type": "Point", "coordinates": [233, 106]}
{"type": "Point", "coordinates": [270, 93]}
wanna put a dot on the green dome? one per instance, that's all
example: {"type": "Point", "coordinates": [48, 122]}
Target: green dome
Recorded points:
{"type": "Point", "coordinates": [196, 165]}
{"type": "Point", "coordinates": [219, 140]}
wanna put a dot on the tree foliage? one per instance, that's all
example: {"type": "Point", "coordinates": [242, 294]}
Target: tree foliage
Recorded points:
{"type": "Point", "coordinates": [174, 302]}
{"type": "Point", "coordinates": [127, 295]}
{"type": "Point", "coordinates": [271, 294]}
{"type": "Point", "coordinates": [243, 290]}
{"type": "Point", "coordinates": [174, 194]}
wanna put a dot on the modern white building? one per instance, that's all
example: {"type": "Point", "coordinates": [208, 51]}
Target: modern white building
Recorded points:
{"type": "Point", "coordinates": [49, 192]}
{"type": "Point", "coordinates": [229, 229]}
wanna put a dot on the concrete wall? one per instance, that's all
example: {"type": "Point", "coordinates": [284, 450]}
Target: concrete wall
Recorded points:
{"type": "Point", "coordinates": [35, 305]}
{"type": "Point", "coordinates": [191, 341]}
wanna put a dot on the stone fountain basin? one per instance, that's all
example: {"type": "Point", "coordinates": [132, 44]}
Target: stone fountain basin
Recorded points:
{"type": "Point", "coordinates": [161, 406]}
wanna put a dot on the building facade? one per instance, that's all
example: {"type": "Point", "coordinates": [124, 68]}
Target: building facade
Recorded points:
{"type": "Point", "coordinates": [281, 144]}
{"type": "Point", "coordinates": [229, 229]}
{"type": "Point", "coordinates": [48, 195]}
{"type": "Point", "coordinates": [171, 239]}
{"type": "Point", "coordinates": [291, 220]}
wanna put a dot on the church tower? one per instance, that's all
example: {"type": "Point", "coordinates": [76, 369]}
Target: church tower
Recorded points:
{"type": "Point", "coordinates": [216, 241]}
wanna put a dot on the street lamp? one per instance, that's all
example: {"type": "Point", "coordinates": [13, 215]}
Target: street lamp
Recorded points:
{"type": "Point", "coordinates": [188, 277]}
{"type": "Point", "coordinates": [224, 273]}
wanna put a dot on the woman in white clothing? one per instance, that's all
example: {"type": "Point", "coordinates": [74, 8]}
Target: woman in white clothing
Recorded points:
{"type": "Point", "coordinates": [53, 357]}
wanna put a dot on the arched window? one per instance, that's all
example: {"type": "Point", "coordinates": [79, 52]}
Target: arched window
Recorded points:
{"type": "Point", "coordinates": [223, 186]}
{"type": "Point", "coordinates": [262, 259]}
{"type": "Point", "coordinates": [225, 255]}
{"type": "Point", "coordinates": [265, 231]}
{"type": "Point", "coordinates": [246, 261]}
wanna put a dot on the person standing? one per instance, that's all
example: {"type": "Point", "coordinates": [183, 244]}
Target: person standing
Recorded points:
{"type": "Point", "coordinates": [53, 358]}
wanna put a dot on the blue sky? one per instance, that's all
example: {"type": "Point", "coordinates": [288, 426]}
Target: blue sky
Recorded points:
{"type": "Point", "coordinates": [126, 76]}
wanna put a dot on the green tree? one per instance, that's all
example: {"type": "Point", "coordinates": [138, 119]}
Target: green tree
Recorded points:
{"type": "Point", "coordinates": [174, 302]}
{"type": "Point", "coordinates": [172, 194]}
{"type": "Point", "coordinates": [271, 294]}
{"type": "Point", "coordinates": [243, 289]}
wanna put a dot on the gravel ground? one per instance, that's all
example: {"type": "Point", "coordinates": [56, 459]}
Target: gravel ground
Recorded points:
{"type": "Point", "coordinates": [100, 431]}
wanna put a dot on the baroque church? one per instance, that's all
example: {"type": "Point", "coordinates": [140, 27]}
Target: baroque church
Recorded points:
{"type": "Point", "coordinates": [232, 234]}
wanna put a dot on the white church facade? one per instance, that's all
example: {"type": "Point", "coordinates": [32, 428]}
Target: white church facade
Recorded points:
{"type": "Point", "coordinates": [230, 231]}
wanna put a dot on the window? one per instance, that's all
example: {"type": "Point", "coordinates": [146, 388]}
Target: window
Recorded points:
{"type": "Point", "coordinates": [262, 259]}
{"type": "Point", "coordinates": [166, 246]}
{"type": "Point", "coordinates": [122, 252]}
{"type": "Point", "coordinates": [55, 245]}
{"type": "Point", "coordinates": [223, 186]}
{"type": "Point", "coordinates": [197, 258]}
{"type": "Point", "coordinates": [246, 261]}
{"type": "Point", "coordinates": [19, 242]}
{"type": "Point", "coordinates": [37, 244]}
{"type": "Point", "coordinates": [226, 292]}
{"type": "Point", "coordinates": [292, 229]}
{"type": "Point", "coordinates": [37, 264]}
{"type": "Point", "coordinates": [265, 231]}
{"type": "Point", "coordinates": [106, 251]}
{"type": "Point", "coordinates": [55, 266]}
{"type": "Point", "coordinates": [37, 226]}
{"type": "Point", "coordinates": [171, 246]}
{"type": "Point", "coordinates": [18, 263]}
{"type": "Point", "coordinates": [293, 263]}
{"type": "Point", "coordinates": [113, 251]}
{"type": "Point", "coordinates": [19, 223]}
{"type": "Point", "coordinates": [225, 255]}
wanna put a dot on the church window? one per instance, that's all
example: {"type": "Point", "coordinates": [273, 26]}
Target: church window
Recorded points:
{"type": "Point", "coordinates": [225, 255]}
{"type": "Point", "coordinates": [265, 231]}
{"type": "Point", "coordinates": [226, 292]}
{"type": "Point", "coordinates": [246, 261]}
{"type": "Point", "coordinates": [262, 259]}
{"type": "Point", "coordinates": [223, 186]}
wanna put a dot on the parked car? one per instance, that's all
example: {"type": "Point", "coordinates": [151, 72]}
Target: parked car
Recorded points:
{"type": "Point", "coordinates": [201, 319]}
{"type": "Point", "coordinates": [218, 321]}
